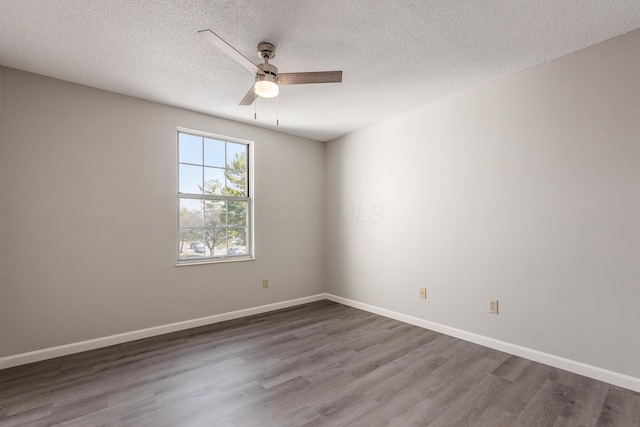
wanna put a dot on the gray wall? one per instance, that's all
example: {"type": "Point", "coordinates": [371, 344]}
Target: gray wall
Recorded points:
{"type": "Point", "coordinates": [526, 190]}
{"type": "Point", "coordinates": [88, 217]}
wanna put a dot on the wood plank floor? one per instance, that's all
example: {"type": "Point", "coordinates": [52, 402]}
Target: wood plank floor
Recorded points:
{"type": "Point", "coordinates": [320, 364]}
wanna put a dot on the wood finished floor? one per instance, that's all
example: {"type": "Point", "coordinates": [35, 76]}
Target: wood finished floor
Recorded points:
{"type": "Point", "coordinates": [321, 364]}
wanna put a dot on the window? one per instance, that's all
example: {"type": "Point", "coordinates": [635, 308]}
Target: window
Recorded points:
{"type": "Point", "coordinates": [214, 196]}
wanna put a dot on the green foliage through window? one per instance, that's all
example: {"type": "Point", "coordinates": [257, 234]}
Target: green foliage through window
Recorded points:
{"type": "Point", "coordinates": [213, 189]}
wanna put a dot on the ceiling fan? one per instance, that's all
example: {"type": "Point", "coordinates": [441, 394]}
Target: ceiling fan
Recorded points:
{"type": "Point", "coordinates": [268, 80]}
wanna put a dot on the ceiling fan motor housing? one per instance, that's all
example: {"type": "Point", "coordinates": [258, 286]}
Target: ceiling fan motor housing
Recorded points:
{"type": "Point", "coordinates": [270, 72]}
{"type": "Point", "coordinates": [266, 50]}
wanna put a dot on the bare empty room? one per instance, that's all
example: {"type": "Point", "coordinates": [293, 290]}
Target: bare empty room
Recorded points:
{"type": "Point", "coordinates": [328, 213]}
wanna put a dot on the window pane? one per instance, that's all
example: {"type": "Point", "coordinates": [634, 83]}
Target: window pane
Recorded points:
{"type": "Point", "coordinates": [191, 219]}
{"type": "Point", "coordinates": [215, 240]}
{"type": "Point", "coordinates": [236, 183]}
{"type": "Point", "coordinates": [221, 241]}
{"type": "Point", "coordinates": [193, 249]}
{"type": "Point", "coordinates": [191, 231]}
{"type": "Point", "coordinates": [236, 169]}
{"type": "Point", "coordinates": [215, 213]}
{"type": "Point", "coordinates": [235, 151]}
{"type": "Point", "coordinates": [190, 149]}
{"type": "Point", "coordinates": [213, 180]}
{"type": "Point", "coordinates": [215, 233]}
{"type": "Point", "coordinates": [214, 152]}
{"type": "Point", "coordinates": [236, 213]}
{"type": "Point", "coordinates": [237, 241]}
{"type": "Point", "coordinates": [193, 207]}
{"type": "Point", "coordinates": [190, 179]}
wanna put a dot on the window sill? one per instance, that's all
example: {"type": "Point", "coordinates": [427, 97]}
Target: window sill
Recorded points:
{"type": "Point", "coordinates": [214, 261]}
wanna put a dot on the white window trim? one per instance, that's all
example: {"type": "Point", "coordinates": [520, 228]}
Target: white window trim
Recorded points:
{"type": "Point", "coordinates": [250, 202]}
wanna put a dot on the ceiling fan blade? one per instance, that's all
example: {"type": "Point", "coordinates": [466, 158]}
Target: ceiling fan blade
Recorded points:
{"type": "Point", "coordinates": [214, 39]}
{"type": "Point", "coordinates": [249, 97]}
{"type": "Point", "coordinates": [311, 77]}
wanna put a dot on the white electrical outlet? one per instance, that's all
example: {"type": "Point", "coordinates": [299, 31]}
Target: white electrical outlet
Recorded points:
{"type": "Point", "coordinates": [265, 283]}
{"type": "Point", "coordinates": [493, 306]}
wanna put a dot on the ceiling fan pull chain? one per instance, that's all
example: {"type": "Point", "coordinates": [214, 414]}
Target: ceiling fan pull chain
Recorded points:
{"type": "Point", "coordinates": [255, 110]}
{"type": "Point", "coordinates": [277, 110]}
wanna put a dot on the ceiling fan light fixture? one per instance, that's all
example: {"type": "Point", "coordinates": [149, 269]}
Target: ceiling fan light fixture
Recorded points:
{"type": "Point", "coordinates": [266, 87]}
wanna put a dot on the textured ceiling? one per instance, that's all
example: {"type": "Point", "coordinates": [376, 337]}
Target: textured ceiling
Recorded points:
{"type": "Point", "coordinates": [396, 55]}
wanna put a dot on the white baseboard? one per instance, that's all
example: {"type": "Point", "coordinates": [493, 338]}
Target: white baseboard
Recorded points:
{"type": "Point", "coordinates": [63, 350]}
{"type": "Point", "coordinates": [580, 368]}
{"type": "Point", "coordinates": [590, 371]}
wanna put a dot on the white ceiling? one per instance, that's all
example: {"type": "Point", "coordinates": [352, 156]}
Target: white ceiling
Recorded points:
{"type": "Point", "coordinates": [396, 55]}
